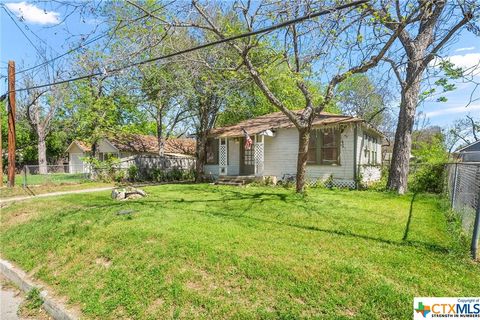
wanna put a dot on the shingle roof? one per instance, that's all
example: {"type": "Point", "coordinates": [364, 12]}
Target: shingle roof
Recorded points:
{"type": "Point", "coordinates": [139, 143]}
{"type": "Point", "coordinates": [81, 144]}
{"type": "Point", "coordinates": [277, 120]}
{"type": "Point", "coordinates": [149, 144]}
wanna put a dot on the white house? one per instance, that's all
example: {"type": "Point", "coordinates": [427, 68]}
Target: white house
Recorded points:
{"type": "Point", "coordinates": [124, 147]}
{"type": "Point", "coordinates": [342, 147]}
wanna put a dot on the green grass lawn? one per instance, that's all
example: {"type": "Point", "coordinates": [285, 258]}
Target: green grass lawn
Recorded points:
{"type": "Point", "coordinates": [201, 251]}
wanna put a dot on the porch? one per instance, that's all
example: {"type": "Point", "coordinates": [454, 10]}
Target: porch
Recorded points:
{"type": "Point", "coordinates": [230, 157]}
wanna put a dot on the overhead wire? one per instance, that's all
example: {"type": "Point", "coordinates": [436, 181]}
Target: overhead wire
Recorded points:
{"type": "Point", "coordinates": [206, 45]}
{"type": "Point", "coordinates": [101, 36]}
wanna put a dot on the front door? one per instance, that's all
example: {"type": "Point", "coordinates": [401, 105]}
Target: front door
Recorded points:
{"type": "Point", "coordinates": [247, 161]}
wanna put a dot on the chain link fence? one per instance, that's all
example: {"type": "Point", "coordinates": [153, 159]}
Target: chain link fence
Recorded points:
{"type": "Point", "coordinates": [34, 175]}
{"type": "Point", "coordinates": [463, 189]}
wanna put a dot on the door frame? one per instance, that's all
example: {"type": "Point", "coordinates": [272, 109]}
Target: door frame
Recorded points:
{"type": "Point", "coordinates": [246, 169]}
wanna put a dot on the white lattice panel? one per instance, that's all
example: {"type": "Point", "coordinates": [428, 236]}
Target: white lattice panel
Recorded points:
{"type": "Point", "coordinates": [223, 155]}
{"type": "Point", "coordinates": [258, 153]}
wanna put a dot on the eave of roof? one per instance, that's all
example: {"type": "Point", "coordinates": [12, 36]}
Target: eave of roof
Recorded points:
{"type": "Point", "coordinates": [82, 145]}
{"type": "Point", "coordinates": [278, 120]}
{"type": "Point", "coordinates": [468, 146]}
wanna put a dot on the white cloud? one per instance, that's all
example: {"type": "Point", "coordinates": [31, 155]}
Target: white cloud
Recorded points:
{"type": "Point", "coordinates": [469, 62]}
{"type": "Point", "coordinates": [33, 14]}
{"type": "Point", "coordinates": [466, 61]}
{"type": "Point", "coordinates": [465, 49]}
{"type": "Point", "coordinates": [455, 110]}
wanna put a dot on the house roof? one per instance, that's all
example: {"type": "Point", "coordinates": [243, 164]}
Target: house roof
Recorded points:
{"type": "Point", "coordinates": [149, 144]}
{"type": "Point", "coordinates": [138, 143]}
{"type": "Point", "coordinates": [85, 147]}
{"type": "Point", "coordinates": [472, 147]}
{"type": "Point", "coordinates": [279, 120]}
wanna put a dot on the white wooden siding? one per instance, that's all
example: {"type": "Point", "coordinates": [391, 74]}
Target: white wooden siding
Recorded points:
{"type": "Point", "coordinates": [369, 173]}
{"type": "Point", "coordinates": [104, 146]}
{"type": "Point", "coordinates": [281, 156]}
{"type": "Point", "coordinates": [75, 162]}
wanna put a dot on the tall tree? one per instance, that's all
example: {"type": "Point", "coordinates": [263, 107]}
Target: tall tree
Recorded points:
{"type": "Point", "coordinates": [430, 29]}
{"type": "Point", "coordinates": [336, 44]}
{"type": "Point", "coordinates": [359, 96]}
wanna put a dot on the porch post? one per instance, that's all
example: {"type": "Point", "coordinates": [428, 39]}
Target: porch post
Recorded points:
{"type": "Point", "coordinates": [222, 156]}
{"type": "Point", "coordinates": [259, 155]}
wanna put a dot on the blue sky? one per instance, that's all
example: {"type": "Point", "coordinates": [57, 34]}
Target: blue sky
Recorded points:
{"type": "Point", "coordinates": [42, 19]}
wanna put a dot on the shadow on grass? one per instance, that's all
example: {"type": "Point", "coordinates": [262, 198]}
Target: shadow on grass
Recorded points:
{"type": "Point", "coordinates": [429, 246]}
{"type": "Point", "coordinates": [260, 197]}
{"type": "Point", "coordinates": [409, 221]}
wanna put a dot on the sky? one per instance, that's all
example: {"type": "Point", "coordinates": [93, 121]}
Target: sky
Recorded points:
{"type": "Point", "coordinates": [49, 25]}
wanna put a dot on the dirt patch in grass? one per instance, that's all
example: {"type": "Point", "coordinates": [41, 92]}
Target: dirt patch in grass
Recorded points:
{"type": "Point", "coordinates": [104, 262]}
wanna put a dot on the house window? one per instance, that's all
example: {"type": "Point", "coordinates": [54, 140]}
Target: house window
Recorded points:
{"type": "Point", "coordinates": [211, 151]}
{"type": "Point", "coordinates": [370, 150]}
{"type": "Point", "coordinates": [324, 147]}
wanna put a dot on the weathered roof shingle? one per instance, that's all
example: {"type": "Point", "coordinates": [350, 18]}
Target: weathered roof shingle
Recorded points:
{"type": "Point", "coordinates": [277, 120]}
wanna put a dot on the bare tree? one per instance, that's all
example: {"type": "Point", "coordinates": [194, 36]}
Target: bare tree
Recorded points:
{"type": "Point", "coordinates": [429, 30]}
{"type": "Point", "coordinates": [38, 107]}
{"type": "Point", "coordinates": [463, 132]}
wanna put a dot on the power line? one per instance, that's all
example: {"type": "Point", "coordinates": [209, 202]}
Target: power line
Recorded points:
{"type": "Point", "coordinates": [21, 30]}
{"type": "Point", "coordinates": [90, 41]}
{"type": "Point", "coordinates": [206, 45]}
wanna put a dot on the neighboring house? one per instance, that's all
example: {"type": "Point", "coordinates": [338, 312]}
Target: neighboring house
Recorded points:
{"type": "Point", "coordinates": [124, 147]}
{"type": "Point", "coordinates": [342, 147]}
{"type": "Point", "coordinates": [470, 153]}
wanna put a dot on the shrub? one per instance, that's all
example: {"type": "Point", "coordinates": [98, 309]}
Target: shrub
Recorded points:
{"type": "Point", "coordinates": [429, 167]}
{"type": "Point", "coordinates": [119, 176]}
{"type": "Point", "coordinates": [103, 170]}
{"type": "Point", "coordinates": [175, 174]}
{"type": "Point", "coordinates": [428, 178]}
{"type": "Point", "coordinates": [132, 173]}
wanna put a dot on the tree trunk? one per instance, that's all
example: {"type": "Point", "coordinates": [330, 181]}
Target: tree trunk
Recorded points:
{"type": "Point", "coordinates": [160, 140]}
{"type": "Point", "coordinates": [41, 145]}
{"type": "Point", "coordinates": [303, 140]}
{"type": "Point", "coordinates": [398, 175]}
{"type": "Point", "coordinates": [202, 135]}
{"type": "Point", "coordinates": [42, 152]}
{"type": "Point", "coordinates": [201, 145]}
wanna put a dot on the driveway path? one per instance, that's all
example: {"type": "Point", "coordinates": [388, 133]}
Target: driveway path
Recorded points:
{"type": "Point", "coordinates": [53, 194]}
{"type": "Point", "coordinates": [10, 300]}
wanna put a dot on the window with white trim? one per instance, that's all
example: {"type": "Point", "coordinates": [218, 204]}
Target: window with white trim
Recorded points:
{"type": "Point", "coordinates": [324, 147]}
{"type": "Point", "coordinates": [370, 149]}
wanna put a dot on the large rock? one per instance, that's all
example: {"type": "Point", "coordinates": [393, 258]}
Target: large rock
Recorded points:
{"type": "Point", "coordinates": [128, 193]}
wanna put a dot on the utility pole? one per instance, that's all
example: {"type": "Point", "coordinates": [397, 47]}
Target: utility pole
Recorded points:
{"type": "Point", "coordinates": [11, 123]}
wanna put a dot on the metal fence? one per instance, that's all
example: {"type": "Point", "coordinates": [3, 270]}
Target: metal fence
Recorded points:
{"type": "Point", "coordinates": [463, 189]}
{"type": "Point", "coordinates": [33, 175]}
{"type": "Point", "coordinates": [148, 168]}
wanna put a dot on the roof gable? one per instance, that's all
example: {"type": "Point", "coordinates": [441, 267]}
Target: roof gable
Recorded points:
{"type": "Point", "coordinates": [80, 144]}
{"type": "Point", "coordinates": [475, 146]}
